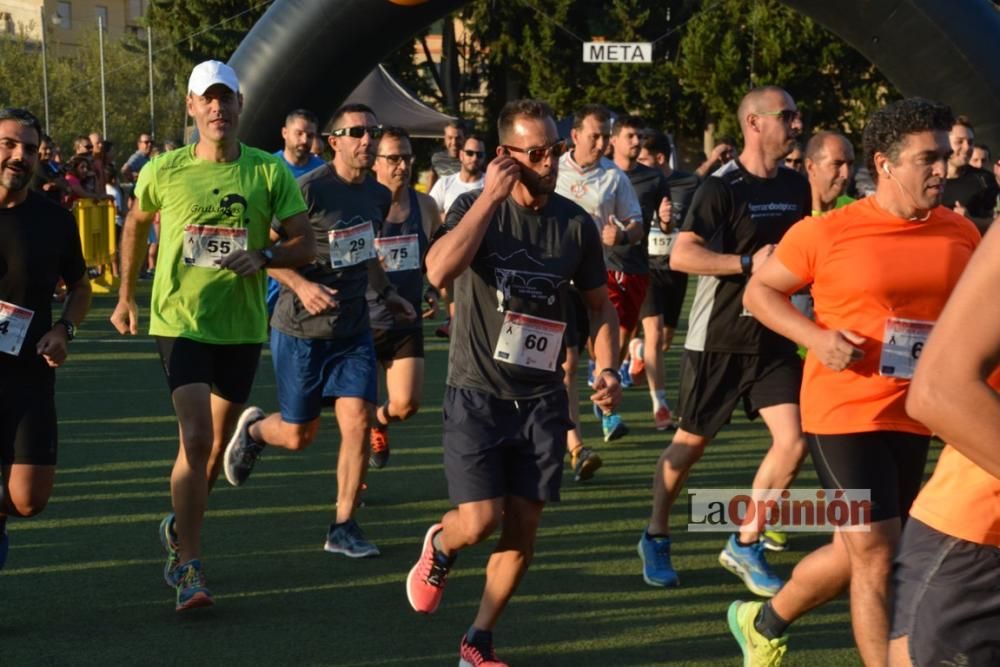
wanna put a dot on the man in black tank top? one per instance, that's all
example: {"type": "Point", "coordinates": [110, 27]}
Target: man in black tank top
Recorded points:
{"type": "Point", "coordinates": [401, 243]}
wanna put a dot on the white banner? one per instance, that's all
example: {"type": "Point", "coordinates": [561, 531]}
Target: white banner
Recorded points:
{"type": "Point", "coordinates": [618, 52]}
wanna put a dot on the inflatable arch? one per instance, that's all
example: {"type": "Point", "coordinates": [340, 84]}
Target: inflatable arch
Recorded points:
{"type": "Point", "coordinates": [304, 53]}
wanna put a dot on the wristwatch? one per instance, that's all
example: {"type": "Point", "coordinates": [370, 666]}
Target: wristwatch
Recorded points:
{"type": "Point", "coordinates": [746, 265]}
{"type": "Point", "coordinates": [70, 328]}
{"type": "Point", "coordinates": [612, 372]}
{"type": "Point", "coordinates": [268, 255]}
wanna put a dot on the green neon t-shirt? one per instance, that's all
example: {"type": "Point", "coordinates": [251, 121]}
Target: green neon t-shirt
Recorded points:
{"type": "Point", "coordinates": [207, 304]}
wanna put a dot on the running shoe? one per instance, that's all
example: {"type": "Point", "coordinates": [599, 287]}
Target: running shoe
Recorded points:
{"type": "Point", "coordinates": [664, 419]}
{"type": "Point", "coordinates": [626, 376]}
{"type": "Point", "coordinates": [4, 547]}
{"type": "Point", "coordinates": [585, 463]}
{"type": "Point", "coordinates": [591, 370]}
{"type": "Point", "coordinates": [348, 540]}
{"type": "Point", "coordinates": [380, 447]}
{"type": "Point", "coordinates": [472, 655]}
{"type": "Point", "coordinates": [758, 650]}
{"type": "Point", "coordinates": [750, 565]}
{"type": "Point", "coordinates": [657, 569]}
{"type": "Point", "coordinates": [168, 538]}
{"type": "Point", "coordinates": [613, 426]}
{"type": "Point", "coordinates": [427, 578]}
{"type": "Point", "coordinates": [191, 590]}
{"type": "Point", "coordinates": [774, 540]}
{"type": "Point", "coordinates": [444, 331]}
{"type": "Point", "coordinates": [242, 451]}
{"type": "Point", "coordinates": [637, 369]}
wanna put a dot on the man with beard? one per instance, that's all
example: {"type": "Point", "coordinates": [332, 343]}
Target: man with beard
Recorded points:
{"type": "Point", "coordinates": [298, 133]}
{"type": "Point", "coordinates": [969, 191]}
{"type": "Point", "coordinates": [737, 216]}
{"type": "Point", "coordinates": [217, 199]}
{"type": "Point", "coordinates": [39, 245]}
{"type": "Point", "coordinates": [505, 405]}
{"type": "Point", "coordinates": [873, 315]}
{"type": "Point", "coordinates": [321, 341]}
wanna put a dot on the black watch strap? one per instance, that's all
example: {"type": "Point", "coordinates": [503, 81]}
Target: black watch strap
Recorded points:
{"type": "Point", "coordinates": [69, 326]}
{"type": "Point", "coordinates": [746, 265]}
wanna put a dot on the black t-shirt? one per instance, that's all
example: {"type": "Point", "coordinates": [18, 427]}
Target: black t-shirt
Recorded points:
{"type": "Point", "coordinates": [335, 204]}
{"type": "Point", "coordinates": [976, 190]}
{"type": "Point", "coordinates": [738, 213]}
{"type": "Point", "coordinates": [650, 188]}
{"type": "Point", "coordinates": [39, 244]}
{"type": "Point", "coordinates": [524, 265]}
{"type": "Point", "coordinates": [682, 186]}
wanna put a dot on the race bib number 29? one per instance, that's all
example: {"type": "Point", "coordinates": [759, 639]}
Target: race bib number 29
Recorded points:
{"type": "Point", "coordinates": [206, 245]}
{"type": "Point", "coordinates": [351, 245]}
{"type": "Point", "coordinates": [903, 342]}
{"type": "Point", "coordinates": [533, 342]}
{"type": "Point", "coordinates": [14, 322]}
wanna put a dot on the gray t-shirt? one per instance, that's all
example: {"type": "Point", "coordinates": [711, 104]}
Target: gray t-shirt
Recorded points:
{"type": "Point", "coordinates": [356, 211]}
{"type": "Point", "coordinates": [524, 265]}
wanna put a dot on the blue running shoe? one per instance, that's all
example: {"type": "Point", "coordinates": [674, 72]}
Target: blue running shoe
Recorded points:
{"type": "Point", "coordinates": [168, 538]}
{"type": "Point", "coordinates": [4, 547]}
{"type": "Point", "coordinates": [623, 371]}
{"type": "Point", "coordinates": [656, 567]}
{"type": "Point", "coordinates": [750, 565]}
{"type": "Point", "coordinates": [191, 590]}
{"type": "Point", "coordinates": [613, 426]}
{"type": "Point", "coordinates": [591, 369]}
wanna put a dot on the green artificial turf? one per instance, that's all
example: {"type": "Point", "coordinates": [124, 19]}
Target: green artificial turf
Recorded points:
{"type": "Point", "coordinates": [83, 582]}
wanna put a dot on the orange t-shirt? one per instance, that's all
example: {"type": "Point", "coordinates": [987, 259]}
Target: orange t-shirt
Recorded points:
{"type": "Point", "coordinates": [961, 499]}
{"type": "Point", "coordinates": [865, 266]}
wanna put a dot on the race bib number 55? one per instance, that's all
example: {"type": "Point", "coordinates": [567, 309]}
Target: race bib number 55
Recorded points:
{"type": "Point", "coordinates": [533, 342]}
{"type": "Point", "coordinates": [206, 245]}
{"type": "Point", "coordinates": [14, 322]}
{"type": "Point", "coordinates": [904, 341]}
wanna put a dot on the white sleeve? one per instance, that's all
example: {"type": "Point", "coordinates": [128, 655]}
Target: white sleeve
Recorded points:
{"type": "Point", "coordinates": [626, 201]}
{"type": "Point", "coordinates": [437, 193]}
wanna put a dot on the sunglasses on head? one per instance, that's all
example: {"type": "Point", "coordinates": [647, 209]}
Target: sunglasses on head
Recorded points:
{"type": "Point", "coordinates": [396, 159]}
{"type": "Point", "coordinates": [473, 153]}
{"type": "Point", "coordinates": [358, 131]}
{"type": "Point", "coordinates": [536, 155]}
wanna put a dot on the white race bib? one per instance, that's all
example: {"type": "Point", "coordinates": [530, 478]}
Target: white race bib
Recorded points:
{"type": "Point", "coordinates": [399, 253]}
{"type": "Point", "coordinates": [660, 244]}
{"type": "Point", "coordinates": [903, 342]}
{"type": "Point", "coordinates": [206, 245]}
{"type": "Point", "coordinates": [352, 245]}
{"type": "Point", "coordinates": [14, 322]}
{"type": "Point", "coordinates": [533, 342]}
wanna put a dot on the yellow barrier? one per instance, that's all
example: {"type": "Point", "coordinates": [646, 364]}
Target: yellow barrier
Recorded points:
{"type": "Point", "coordinates": [95, 220]}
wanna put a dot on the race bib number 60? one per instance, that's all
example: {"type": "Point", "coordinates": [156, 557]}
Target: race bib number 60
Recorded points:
{"type": "Point", "coordinates": [206, 245]}
{"type": "Point", "coordinates": [903, 342]}
{"type": "Point", "coordinates": [14, 322]}
{"type": "Point", "coordinates": [351, 245]}
{"type": "Point", "coordinates": [532, 342]}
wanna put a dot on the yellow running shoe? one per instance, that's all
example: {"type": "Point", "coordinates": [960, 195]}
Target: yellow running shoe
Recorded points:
{"type": "Point", "coordinates": [758, 650]}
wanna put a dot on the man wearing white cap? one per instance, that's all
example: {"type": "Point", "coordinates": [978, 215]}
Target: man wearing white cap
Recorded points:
{"type": "Point", "coordinates": [216, 200]}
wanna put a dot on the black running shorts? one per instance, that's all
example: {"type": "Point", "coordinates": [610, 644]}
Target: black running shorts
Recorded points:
{"type": "Point", "coordinates": [890, 463]}
{"type": "Point", "coordinates": [495, 447]}
{"type": "Point", "coordinates": [713, 383]}
{"type": "Point", "coordinates": [398, 344]}
{"type": "Point", "coordinates": [665, 296]}
{"type": "Point", "coordinates": [28, 419]}
{"type": "Point", "coordinates": [228, 369]}
{"type": "Point", "coordinates": [946, 598]}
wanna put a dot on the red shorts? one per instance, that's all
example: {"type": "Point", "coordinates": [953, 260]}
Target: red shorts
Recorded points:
{"type": "Point", "coordinates": [627, 292]}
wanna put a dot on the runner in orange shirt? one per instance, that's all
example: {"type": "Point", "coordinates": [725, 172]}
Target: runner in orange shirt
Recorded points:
{"type": "Point", "coordinates": [881, 270]}
{"type": "Point", "coordinates": [946, 599]}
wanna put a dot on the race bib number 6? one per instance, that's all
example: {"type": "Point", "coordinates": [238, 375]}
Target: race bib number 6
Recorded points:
{"type": "Point", "coordinates": [14, 322]}
{"type": "Point", "coordinates": [206, 245]}
{"type": "Point", "coordinates": [532, 342]}
{"type": "Point", "coordinates": [351, 245]}
{"type": "Point", "coordinates": [399, 253]}
{"type": "Point", "coordinates": [903, 342]}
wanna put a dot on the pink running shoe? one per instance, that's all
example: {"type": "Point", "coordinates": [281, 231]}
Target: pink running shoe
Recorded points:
{"type": "Point", "coordinates": [471, 656]}
{"type": "Point", "coordinates": [425, 583]}
{"type": "Point", "coordinates": [637, 366]}
{"type": "Point", "coordinates": [664, 420]}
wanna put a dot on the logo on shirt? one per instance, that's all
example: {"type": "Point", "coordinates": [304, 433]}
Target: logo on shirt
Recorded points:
{"type": "Point", "coordinates": [233, 205]}
{"type": "Point", "coordinates": [538, 286]}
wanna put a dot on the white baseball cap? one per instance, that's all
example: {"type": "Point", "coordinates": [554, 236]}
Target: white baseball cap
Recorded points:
{"type": "Point", "coordinates": [207, 74]}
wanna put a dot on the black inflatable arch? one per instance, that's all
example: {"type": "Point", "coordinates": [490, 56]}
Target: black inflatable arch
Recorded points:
{"type": "Point", "coordinates": [309, 53]}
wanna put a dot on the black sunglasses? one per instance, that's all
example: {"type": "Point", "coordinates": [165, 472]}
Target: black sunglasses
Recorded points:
{"type": "Point", "coordinates": [396, 159]}
{"type": "Point", "coordinates": [474, 153]}
{"type": "Point", "coordinates": [358, 131]}
{"type": "Point", "coordinates": [536, 155]}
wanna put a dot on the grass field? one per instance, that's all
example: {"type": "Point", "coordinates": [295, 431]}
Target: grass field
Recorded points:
{"type": "Point", "coordinates": [83, 582]}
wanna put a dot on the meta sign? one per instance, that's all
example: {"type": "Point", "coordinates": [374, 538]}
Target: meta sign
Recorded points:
{"type": "Point", "coordinates": [618, 52]}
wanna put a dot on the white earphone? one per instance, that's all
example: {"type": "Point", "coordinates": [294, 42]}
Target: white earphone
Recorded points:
{"type": "Point", "coordinates": [885, 168]}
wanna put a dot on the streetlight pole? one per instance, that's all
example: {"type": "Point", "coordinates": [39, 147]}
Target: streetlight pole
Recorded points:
{"type": "Point", "coordinates": [104, 109]}
{"type": "Point", "coordinates": [149, 55]}
{"type": "Point", "coordinates": [45, 70]}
